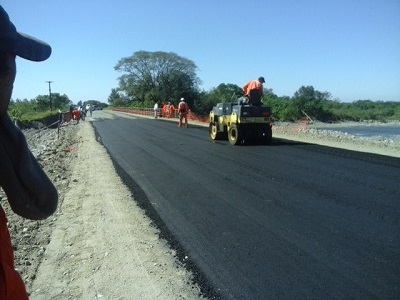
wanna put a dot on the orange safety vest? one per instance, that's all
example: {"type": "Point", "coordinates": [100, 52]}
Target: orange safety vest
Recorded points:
{"type": "Point", "coordinates": [171, 110]}
{"type": "Point", "coordinates": [253, 85]}
{"type": "Point", "coordinates": [75, 112]}
{"type": "Point", "coordinates": [183, 108]}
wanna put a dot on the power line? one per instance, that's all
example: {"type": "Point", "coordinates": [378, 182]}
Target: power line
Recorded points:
{"type": "Point", "coordinates": [51, 104]}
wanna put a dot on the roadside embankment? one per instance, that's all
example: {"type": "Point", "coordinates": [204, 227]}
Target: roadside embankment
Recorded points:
{"type": "Point", "coordinates": [323, 134]}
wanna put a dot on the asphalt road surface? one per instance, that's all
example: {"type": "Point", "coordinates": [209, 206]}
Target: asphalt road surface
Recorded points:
{"type": "Point", "coordinates": [289, 220]}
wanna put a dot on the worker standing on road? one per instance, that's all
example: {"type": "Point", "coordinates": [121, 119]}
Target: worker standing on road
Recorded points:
{"type": "Point", "coordinates": [171, 111]}
{"type": "Point", "coordinates": [29, 191]}
{"type": "Point", "coordinates": [168, 110]}
{"type": "Point", "coordinates": [183, 110]}
{"type": "Point", "coordinates": [163, 110]}
{"type": "Point", "coordinates": [76, 115]}
{"type": "Point", "coordinates": [254, 90]}
{"type": "Point", "coordinates": [156, 110]}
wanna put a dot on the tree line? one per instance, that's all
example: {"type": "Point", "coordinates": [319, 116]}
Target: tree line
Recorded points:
{"type": "Point", "coordinates": [320, 106]}
{"type": "Point", "coordinates": [150, 77]}
{"type": "Point", "coordinates": [43, 106]}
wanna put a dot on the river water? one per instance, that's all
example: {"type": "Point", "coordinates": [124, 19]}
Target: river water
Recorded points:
{"type": "Point", "coordinates": [387, 131]}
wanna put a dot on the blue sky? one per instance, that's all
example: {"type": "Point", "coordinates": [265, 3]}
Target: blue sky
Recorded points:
{"type": "Point", "coordinates": [350, 48]}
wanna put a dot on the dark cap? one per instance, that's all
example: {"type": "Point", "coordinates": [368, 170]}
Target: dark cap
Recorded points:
{"type": "Point", "coordinates": [20, 44]}
{"type": "Point", "coordinates": [261, 79]}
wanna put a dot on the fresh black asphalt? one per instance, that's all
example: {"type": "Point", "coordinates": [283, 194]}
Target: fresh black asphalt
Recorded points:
{"type": "Point", "coordinates": [285, 221]}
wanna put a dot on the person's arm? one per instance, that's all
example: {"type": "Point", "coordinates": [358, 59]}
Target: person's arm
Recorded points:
{"type": "Point", "coordinates": [245, 87]}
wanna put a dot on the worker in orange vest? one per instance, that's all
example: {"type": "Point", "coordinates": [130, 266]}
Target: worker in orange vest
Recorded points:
{"type": "Point", "coordinates": [183, 110]}
{"type": "Point", "coordinates": [254, 90]}
{"type": "Point", "coordinates": [171, 110]}
{"type": "Point", "coordinates": [76, 115]}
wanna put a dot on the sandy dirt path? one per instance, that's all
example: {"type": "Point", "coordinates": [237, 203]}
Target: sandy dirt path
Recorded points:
{"type": "Point", "coordinates": [103, 246]}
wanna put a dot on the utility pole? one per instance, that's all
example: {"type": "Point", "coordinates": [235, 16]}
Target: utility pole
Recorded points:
{"type": "Point", "coordinates": [51, 104]}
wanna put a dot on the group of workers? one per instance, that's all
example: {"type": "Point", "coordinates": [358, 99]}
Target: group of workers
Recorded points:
{"type": "Point", "coordinates": [168, 110]}
{"type": "Point", "coordinates": [253, 92]}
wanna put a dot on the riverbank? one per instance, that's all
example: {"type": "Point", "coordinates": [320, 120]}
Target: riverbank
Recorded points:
{"type": "Point", "coordinates": [331, 135]}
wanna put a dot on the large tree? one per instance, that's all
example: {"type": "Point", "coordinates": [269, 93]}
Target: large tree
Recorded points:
{"type": "Point", "coordinates": [158, 76]}
{"type": "Point", "coordinates": [117, 99]}
{"type": "Point", "coordinates": [226, 92]}
{"type": "Point", "coordinates": [310, 101]}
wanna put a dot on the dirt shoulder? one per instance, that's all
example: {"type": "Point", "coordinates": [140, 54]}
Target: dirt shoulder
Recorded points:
{"type": "Point", "coordinates": [99, 243]}
{"type": "Point", "coordinates": [103, 245]}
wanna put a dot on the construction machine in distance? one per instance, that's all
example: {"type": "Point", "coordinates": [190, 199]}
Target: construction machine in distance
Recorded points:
{"type": "Point", "coordinates": [245, 121]}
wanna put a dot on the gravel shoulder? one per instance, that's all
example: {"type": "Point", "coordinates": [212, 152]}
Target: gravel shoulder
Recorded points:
{"type": "Point", "coordinates": [99, 243]}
